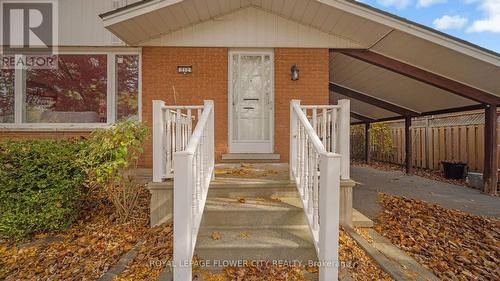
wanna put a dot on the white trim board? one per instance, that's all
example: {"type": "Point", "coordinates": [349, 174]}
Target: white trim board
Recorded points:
{"type": "Point", "coordinates": [138, 10]}
{"type": "Point", "coordinates": [51, 127]}
{"type": "Point", "coordinates": [351, 7]}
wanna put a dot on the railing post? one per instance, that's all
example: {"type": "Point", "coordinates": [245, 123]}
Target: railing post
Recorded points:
{"type": "Point", "coordinates": [329, 216]}
{"type": "Point", "coordinates": [344, 138]}
{"type": "Point", "coordinates": [293, 138]}
{"type": "Point", "coordinates": [211, 136]}
{"type": "Point", "coordinates": [159, 157]}
{"type": "Point", "coordinates": [179, 144]}
{"type": "Point", "coordinates": [183, 216]}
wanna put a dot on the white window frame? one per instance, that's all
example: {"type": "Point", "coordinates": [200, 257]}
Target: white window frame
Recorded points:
{"type": "Point", "coordinates": [20, 94]}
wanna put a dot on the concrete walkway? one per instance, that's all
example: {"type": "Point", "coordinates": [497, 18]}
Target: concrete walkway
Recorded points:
{"type": "Point", "coordinates": [371, 182]}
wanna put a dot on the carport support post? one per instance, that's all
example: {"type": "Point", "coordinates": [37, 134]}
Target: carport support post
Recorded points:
{"type": "Point", "coordinates": [490, 175]}
{"type": "Point", "coordinates": [367, 142]}
{"type": "Point", "coordinates": [408, 156]}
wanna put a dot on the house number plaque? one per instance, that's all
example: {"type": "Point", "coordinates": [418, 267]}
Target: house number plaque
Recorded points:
{"type": "Point", "coordinates": [185, 69]}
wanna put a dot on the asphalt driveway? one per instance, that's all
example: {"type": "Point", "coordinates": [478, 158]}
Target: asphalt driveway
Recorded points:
{"type": "Point", "coordinates": [372, 181]}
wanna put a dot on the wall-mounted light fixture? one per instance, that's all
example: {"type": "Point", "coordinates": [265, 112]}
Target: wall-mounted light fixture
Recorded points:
{"type": "Point", "coordinates": [295, 72]}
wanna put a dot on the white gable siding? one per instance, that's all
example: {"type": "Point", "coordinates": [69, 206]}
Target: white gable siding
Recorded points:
{"type": "Point", "coordinates": [251, 27]}
{"type": "Point", "coordinates": [80, 24]}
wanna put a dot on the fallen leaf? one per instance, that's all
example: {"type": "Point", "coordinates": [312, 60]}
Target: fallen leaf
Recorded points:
{"type": "Point", "coordinates": [312, 269]}
{"type": "Point", "coordinates": [453, 244]}
{"type": "Point", "coordinates": [244, 235]}
{"type": "Point", "coordinates": [275, 199]}
{"type": "Point", "coordinates": [85, 251]}
{"type": "Point", "coordinates": [216, 235]}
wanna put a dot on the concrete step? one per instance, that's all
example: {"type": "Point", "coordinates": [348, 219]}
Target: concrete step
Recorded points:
{"type": "Point", "coordinates": [229, 187]}
{"type": "Point", "coordinates": [308, 276]}
{"type": "Point", "coordinates": [257, 215]}
{"type": "Point", "coordinates": [360, 220]}
{"type": "Point", "coordinates": [250, 157]}
{"type": "Point", "coordinates": [255, 244]}
{"type": "Point", "coordinates": [258, 212]}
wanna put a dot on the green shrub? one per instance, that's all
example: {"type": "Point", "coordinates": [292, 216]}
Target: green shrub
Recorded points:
{"type": "Point", "coordinates": [358, 141]}
{"type": "Point", "coordinates": [40, 185]}
{"type": "Point", "coordinates": [381, 144]}
{"type": "Point", "coordinates": [381, 139]}
{"type": "Point", "coordinates": [41, 180]}
{"type": "Point", "coordinates": [108, 160]}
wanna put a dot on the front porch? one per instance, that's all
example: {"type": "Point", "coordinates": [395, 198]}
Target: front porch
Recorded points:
{"type": "Point", "coordinates": [301, 227]}
{"type": "Point", "coordinates": [253, 212]}
{"type": "Point", "coordinates": [231, 176]}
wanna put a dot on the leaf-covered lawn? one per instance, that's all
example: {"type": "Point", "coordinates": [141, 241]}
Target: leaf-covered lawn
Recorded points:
{"type": "Point", "coordinates": [97, 241]}
{"type": "Point", "coordinates": [453, 244]}
{"type": "Point", "coordinates": [83, 252]}
{"type": "Point", "coordinates": [364, 267]}
{"type": "Point", "coordinates": [153, 255]}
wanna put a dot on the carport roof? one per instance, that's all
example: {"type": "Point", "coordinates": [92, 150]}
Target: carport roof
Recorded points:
{"type": "Point", "coordinates": [470, 68]}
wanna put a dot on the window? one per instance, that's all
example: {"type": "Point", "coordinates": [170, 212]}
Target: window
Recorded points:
{"type": "Point", "coordinates": [86, 90]}
{"type": "Point", "coordinates": [75, 92]}
{"type": "Point", "coordinates": [127, 87]}
{"type": "Point", "coordinates": [7, 96]}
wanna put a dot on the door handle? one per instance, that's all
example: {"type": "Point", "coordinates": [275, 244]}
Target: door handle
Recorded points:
{"type": "Point", "coordinates": [250, 99]}
{"type": "Point", "coordinates": [248, 108]}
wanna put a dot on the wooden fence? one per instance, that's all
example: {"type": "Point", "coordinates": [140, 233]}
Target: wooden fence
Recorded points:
{"type": "Point", "coordinates": [430, 146]}
{"type": "Point", "coordinates": [433, 140]}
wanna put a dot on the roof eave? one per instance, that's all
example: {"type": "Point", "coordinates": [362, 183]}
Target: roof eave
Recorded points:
{"type": "Point", "coordinates": [416, 29]}
{"type": "Point", "coordinates": [135, 10]}
{"type": "Point", "coordinates": [350, 6]}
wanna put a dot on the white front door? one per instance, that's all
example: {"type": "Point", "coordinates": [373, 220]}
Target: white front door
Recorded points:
{"type": "Point", "coordinates": [251, 102]}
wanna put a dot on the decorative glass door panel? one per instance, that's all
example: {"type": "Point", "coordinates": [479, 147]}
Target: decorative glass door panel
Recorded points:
{"type": "Point", "coordinates": [251, 102]}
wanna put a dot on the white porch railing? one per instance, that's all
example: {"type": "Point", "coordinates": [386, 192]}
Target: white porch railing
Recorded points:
{"type": "Point", "coordinates": [331, 123]}
{"type": "Point", "coordinates": [172, 128]}
{"type": "Point", "coordinates": [317, 167]}
{"type": "Point", "coordinates": [193, 169]}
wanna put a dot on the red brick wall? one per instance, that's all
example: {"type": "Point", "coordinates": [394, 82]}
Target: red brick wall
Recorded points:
{"type": "Point", "coordinates": [311, 88]}
{"type": "Point", "coordinates": [208, 81]}
{"type": "Point", "coordinates": [42, 135]}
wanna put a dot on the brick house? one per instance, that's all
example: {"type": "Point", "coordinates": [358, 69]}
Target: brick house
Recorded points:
{"type": "Point", "coordinates": [136, 47]}
{"type": "Point", "coordinates": [286, 77]}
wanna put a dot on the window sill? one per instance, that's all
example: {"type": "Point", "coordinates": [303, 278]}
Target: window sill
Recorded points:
{"type": "Point", "coordinates": [83, 127]}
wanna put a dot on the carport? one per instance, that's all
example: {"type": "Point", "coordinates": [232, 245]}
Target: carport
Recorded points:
{"type": "Point", "coordinates": [412, 71]}
{"type": "Point", "coordinates": [390, 68]}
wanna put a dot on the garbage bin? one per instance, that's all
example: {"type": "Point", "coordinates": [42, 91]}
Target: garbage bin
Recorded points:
{"type": "Point", "coordinates": [454, 170]}
{"type": "Point", "coordinates": [475, 180]}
